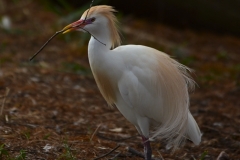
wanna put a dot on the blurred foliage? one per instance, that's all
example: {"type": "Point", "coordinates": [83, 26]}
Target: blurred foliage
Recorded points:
{"type": "Point", "coordinates": [222, 55]}
{"type": "Point", "coordinates": [22, 155]}
{"type": "Point", "coordinates": [63, 6]}
{"type": "Point", "coordinates": [3, 151]}
{"type": "Point", "coordinates": [3, 45]}
{"type": "Point", "coordinates": [5, 59]}
{"type": "Point", "coordinates": [216, 15]}
{"type": "Point", "coordinates": [75, 68]}
{"type": "Point", "coordinates": [57, 6]}
{"type": "Point", "coordinates": [4, 154]}
{"type": "Point", "coordinates": [204, 154]}
{"type": "Point", "coordinates": [68, 154]}
{"type": "Point", "coordinates": [46, 136]}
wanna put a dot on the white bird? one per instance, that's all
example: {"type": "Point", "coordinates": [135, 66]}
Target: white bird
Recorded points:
{"type": "Point", "coordinates": [148, 87]}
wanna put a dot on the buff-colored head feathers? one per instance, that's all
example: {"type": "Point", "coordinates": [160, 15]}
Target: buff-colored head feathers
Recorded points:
{"type": "Point", "coordinates": [107, 11]}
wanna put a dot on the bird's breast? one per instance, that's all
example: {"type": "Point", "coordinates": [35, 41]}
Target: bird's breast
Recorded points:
{"type": "Point", "coordinates": [106, 87]}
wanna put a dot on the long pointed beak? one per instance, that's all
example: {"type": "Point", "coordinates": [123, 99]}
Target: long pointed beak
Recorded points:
{"type": "Point", "coordinates": [73, 26]}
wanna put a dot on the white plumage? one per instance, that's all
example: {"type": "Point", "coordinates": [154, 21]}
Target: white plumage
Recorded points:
{"type": "Point", "coordinates": [148, 87]}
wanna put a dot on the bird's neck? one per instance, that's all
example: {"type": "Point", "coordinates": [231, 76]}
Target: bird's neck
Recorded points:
{"type": "Point", "coordinates": [100, 40]}
{"type": "Point", "coordinates": [99, 56]}
{"type": "Point", "coordinates": [99, 46]}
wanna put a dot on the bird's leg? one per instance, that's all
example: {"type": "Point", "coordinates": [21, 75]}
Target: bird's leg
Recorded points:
{"type": "Point", "coordinates": [147, 148]}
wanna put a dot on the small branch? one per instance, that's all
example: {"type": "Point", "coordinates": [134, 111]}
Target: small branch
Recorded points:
{"type": "Point", "coordinates": [115, 156]}
{"type": "Point", "coordinates": [108, 153]}
{"type": "Point", "coordinates": [160, 155]}
{"type": "Point", "coordinates": [89, 10]}
{"type": "Point", "coordinates": [95, 131]}
{"type": "Point", "coordinates": [85, 20]}
{"type": "Point", "coordinates": [22, 124]}
{"type": "Point", "coordinates": [45, 44]}
{"type": "Point", "coordinates": [134, 152]}
{"type": "Point", "coordinates": [115, 140]}
{"type": "Point", "coordinates": [61, 31]}
{"type": "Point", "coordinates": [93, 36]}
{"type": "Point", "coordinates": [139, 154]}
{"type": "Point", "coordinates": [210, 128]}
{"type": "Point", "coordinates": [3, 102]}
{"type": "Point", "coordinates": [223, 156]}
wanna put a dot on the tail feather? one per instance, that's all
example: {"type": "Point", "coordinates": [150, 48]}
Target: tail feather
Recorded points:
{"type": "Point", "coordinates": [193, 130]}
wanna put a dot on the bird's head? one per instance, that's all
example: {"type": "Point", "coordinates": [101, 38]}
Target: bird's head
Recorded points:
{"type": "Point", "coordinates": [95, 20]}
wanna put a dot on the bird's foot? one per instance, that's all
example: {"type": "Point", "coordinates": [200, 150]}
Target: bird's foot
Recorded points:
{"type": "Point", "coordinates": [147, 148]}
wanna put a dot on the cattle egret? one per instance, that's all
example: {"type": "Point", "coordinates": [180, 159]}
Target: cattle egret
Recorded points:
{"type": "Point", "coordinates": [148, 87]}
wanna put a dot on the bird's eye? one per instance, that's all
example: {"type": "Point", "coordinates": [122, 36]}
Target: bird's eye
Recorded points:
{"type": "Point", "coordinates": [93, 19]}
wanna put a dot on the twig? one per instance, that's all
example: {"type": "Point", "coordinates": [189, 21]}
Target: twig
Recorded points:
{"type": "Point", "coordinates": [115, 156]}
{"type": "Point", "coordinates": [133, 151]}
{"type": "Point", "coordinates": [89, 10]}
{"type": "Point", "coordinates": [107, 153]}
{"type": "Point", "coordinates": [61, 31]}
{"type": "Point", "coordinates": [46, 44]}
{"type": "Point", "coordinates": [223, 156]}
{"type": "Point", "coordinates": [3, 102]}
{"type": "Point", "coordinates": [160, 155]}
{"type": "Point", "coordinates": [139, 154]}
{"type": "Point", "coordinates": [85, 20]}
{"type": "Point", "coordinates": [115, 140]}
{"type": "Point", "coordinates": [210, 128]}
{"type": "Point", "coordinates": [95, 131]}
{"type": "Point", "coordinates": [93, 36]}
{"type": "Point", "coordinates": [21, 124]}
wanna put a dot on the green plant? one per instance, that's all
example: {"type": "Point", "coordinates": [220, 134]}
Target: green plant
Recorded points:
{"type": "Point", "coordinates": [203, 155]}
{"type": "Point", "coordinates": [3, 151]}
{"type": "Point", "coordinates": [5, 155]}
{"type": "Point", "coordinates": [222, 55]}
{"type": "Point", "coordinates": [46, 136]}
{"type": "Point", "coordinates": [75, 68]}
{"type": "Point", "coordinates": [21, 156]}
{"type": "Point", "coordinates": [27, 135]}
{"type": "Point", "coordinates": [67, 155]}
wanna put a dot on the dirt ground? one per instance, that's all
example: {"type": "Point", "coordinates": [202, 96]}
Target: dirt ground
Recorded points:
{"type": "Point", "coordinates": [53, 109]}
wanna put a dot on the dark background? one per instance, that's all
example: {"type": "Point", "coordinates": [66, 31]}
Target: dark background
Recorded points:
{"type": "Point", "coordinates": [219, 16]}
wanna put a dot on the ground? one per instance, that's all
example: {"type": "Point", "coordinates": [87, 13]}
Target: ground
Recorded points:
{"type": "Point", "coordinates": [54, 110]}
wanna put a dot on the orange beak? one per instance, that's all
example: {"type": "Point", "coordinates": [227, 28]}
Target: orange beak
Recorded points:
{"type": "Point", "coordinates": [74, 26]}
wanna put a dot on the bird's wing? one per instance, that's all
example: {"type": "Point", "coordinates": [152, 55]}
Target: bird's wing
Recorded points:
{"type": "Point", "coordinates": [128, 88]}
{"type": "Point", "coordinates": [156, 86]}
{"type": "Point", "coordinates": [139, 87]}
{"type": "Point", "coordinates": [131, 89]}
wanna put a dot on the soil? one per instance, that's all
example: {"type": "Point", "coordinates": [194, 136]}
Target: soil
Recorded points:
{"type": "Point", "coordinates": [54, 109]}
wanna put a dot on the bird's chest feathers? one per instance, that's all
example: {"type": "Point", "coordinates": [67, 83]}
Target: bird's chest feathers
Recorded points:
{"type": "Point", "coordinates": [105, 85]}
{"type": "Point", "coordinates": [102, 68]}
